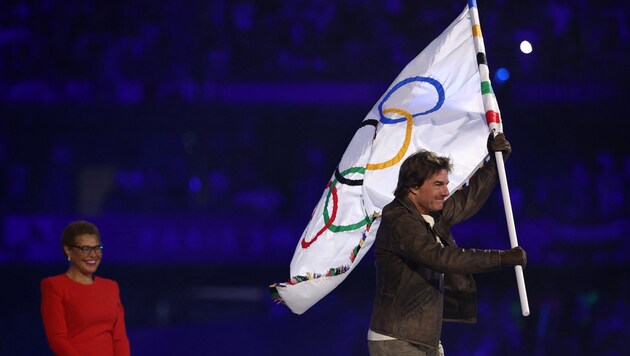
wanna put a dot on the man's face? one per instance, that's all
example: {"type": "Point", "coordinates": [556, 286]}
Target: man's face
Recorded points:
{"type": "Point", "coordinates": [429, 197]}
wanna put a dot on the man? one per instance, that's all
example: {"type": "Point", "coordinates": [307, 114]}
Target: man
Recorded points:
{"type": "Point", "coordinates": [422, 277]}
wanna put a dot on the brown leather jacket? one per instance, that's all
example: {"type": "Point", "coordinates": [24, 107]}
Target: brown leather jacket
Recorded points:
{"type": "Point", "coordinates": [420, 282]}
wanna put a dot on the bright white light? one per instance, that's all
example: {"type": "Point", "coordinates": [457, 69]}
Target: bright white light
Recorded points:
{"type": "Point", "coordinates": [526, 47]}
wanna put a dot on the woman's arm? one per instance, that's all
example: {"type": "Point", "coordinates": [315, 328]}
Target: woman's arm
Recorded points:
{"type": "Point", "coordinates": [121, 342]}
{"type": "Point", "coordinates": [54, 319]}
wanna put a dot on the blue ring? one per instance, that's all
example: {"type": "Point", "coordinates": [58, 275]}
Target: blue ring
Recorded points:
{"type": "Point", "coordinates": [438, 88]}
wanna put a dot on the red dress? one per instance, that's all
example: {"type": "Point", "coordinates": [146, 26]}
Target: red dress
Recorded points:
{"type": "Point", "coordinates": [83, 319]}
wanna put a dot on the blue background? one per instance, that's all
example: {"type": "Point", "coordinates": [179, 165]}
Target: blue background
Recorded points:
{"type": "Point", "coordinates": [199, 136]}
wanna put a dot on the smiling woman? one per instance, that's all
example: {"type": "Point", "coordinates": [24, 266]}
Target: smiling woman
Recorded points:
{"type": "Point", "coordinates": [82, 313]}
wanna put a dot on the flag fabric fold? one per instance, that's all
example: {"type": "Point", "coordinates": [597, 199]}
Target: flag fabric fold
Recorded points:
{"type": "Point", "coordinates": [436, 104]}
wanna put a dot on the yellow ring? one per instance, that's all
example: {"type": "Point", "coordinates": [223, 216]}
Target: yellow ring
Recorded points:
{"type": "Point", "coordinates": [403, 149]}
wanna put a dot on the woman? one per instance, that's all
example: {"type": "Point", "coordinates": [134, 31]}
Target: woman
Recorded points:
{"type": "Point", "coordinates": [82, 313]}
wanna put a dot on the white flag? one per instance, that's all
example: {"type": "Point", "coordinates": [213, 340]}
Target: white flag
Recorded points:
{"type": "Point", "coordinates": [435, 104]}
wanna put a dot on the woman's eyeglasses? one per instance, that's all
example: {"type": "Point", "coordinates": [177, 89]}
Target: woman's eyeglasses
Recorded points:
{"type": "Point", "coordinates": [87, 249]}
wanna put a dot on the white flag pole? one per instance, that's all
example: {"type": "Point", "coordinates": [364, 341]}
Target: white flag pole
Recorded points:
{"type": "Point", "coordinates": [507, 205]}
{"type": "Point", "coordinates": [494, 122]}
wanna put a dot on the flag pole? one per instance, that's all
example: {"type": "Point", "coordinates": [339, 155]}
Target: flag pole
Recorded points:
{"type": "Point", "coordinates": [507, 205]}
{"type": "Point", "coordinates": [493, 118]}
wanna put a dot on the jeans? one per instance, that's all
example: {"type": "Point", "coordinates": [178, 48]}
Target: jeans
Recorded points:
{"type": "Point", "coordinates": [401, 348]}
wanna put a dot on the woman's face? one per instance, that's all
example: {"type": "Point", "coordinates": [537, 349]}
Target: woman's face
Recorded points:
{"type": "Point", "coordinates": [86, 263]}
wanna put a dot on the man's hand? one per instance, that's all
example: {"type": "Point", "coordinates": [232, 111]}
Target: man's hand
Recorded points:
{"type": "Point", "coordinates": [499, 143]}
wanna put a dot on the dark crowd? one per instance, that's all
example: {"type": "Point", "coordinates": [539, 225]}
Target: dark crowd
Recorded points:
{"type": "Point", "coordinates": [117, 111]}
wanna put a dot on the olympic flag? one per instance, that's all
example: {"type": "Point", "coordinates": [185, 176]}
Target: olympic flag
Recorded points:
{"type": "Point", "coordinates": [435, 103]}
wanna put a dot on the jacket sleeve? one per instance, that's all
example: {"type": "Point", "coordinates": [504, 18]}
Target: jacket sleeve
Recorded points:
{"type": "Point", "coordinates": [54, 319]}
{"type": "Point", "coordinates": [121, 342]}
{"type": "Point", "coordinates": [413, 240]}
{"type": "Point", "coordinates": [467, 201]}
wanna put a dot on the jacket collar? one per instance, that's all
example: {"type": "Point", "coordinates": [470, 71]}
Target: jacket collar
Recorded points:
{"type": "Point", "coordinates": [408, 204]}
